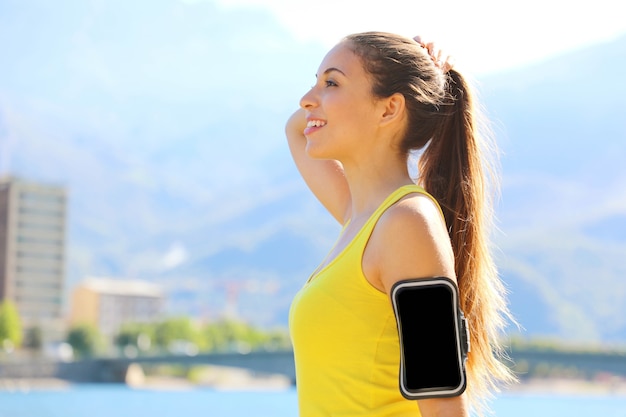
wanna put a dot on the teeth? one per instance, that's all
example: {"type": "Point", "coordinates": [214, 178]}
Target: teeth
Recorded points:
{"type": "Point", "coordinates": [315, 123]}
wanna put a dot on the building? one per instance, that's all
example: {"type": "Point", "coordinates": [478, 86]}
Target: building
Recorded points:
{"type": "Point", "coordinates": [108, 303]}
{"type": "Point", "coordinates": [32, 253]}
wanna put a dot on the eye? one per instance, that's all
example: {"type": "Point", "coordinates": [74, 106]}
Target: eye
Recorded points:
{"type": "Point", "coordinates": [331, 83]}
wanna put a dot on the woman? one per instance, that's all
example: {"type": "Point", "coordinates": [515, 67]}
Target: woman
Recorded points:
{"type": "Point", "coordinates": [377, 97]}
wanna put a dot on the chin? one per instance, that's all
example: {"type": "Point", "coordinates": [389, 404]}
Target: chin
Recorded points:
{"type": "Point", "coordinates": [317, 152]}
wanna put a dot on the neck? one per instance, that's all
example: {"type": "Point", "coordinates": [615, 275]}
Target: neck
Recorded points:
{"type": "Point", "coordinates": [372, 181]}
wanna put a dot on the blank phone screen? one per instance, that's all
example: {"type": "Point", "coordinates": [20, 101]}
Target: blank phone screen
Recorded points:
{"type": "Point", "coordinates": [429, 338]}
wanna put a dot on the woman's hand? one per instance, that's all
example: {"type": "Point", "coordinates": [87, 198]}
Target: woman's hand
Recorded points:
{"type": "Point", "coordinates": [436, 54]}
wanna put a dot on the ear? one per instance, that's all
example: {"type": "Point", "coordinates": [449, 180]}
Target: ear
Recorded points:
{"type": "Point", "coordinates": [393, 109]}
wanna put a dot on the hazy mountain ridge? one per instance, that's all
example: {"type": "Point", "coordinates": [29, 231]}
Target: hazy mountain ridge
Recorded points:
{"type": "Point", "coordinates": [563, 199]}
{"type": "Point", "coordinates": [178, 170]}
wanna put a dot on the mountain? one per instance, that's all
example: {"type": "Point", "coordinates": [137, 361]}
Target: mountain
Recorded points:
{"type": "Point", "coordinates": [168, 133]}
{"type": "Point", "coordinates": [563, 206]}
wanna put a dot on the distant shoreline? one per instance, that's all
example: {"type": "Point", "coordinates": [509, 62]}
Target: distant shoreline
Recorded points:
{"type": "Point", "coordinates": [229, 381]}
{"type": "Point", "coordinates": [610, 385]}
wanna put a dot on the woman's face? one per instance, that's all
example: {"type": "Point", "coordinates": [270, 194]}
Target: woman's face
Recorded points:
{"type": "Point", "coordinates": [340, 109]}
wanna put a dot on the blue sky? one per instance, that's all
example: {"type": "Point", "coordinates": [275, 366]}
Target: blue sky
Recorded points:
{"type": "Point", "coordinates": [151, 69]}
{"type": "Point", "coordinates": [484, 35]}
{"type": "Point", "coordinates": [145, 73]}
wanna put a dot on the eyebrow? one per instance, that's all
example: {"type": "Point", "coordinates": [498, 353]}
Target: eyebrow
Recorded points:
{"type": "Point", "coordinates": [331, 69]}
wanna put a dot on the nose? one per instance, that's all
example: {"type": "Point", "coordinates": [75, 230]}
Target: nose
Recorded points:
{"type": "Point", "coordinates": [309, 100]}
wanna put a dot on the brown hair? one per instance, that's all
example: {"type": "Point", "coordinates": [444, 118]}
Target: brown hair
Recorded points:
{"type": "Point", "coordinates": [456, 169]}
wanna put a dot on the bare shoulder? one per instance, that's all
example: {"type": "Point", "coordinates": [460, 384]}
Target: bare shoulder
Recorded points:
{"type": "Point", "coordinates": [415, 220]}
{"type": "Point", "coordinates": [417, 210]}
{"type": "Point", "coordinates": [410, 240]}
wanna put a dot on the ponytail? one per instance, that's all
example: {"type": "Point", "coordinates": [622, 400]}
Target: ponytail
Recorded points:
{"type": "Point", "coordinates": [454, 169]}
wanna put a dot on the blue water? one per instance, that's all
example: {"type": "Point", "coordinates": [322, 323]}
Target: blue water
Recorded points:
{"type": "Point", "coordinates": [120, 401]}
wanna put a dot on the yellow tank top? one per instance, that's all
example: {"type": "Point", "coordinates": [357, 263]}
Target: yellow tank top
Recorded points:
{"type": "Point", "coordinates": [345, 337]}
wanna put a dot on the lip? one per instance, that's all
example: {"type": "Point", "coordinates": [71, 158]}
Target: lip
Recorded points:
{"type": "Point", "coordinates": [312, 129]}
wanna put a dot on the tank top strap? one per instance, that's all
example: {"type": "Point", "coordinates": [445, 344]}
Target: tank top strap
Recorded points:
{"type": "Point", "coordinates": [363, 236]}
{"type": "Point", "coordinates": [394, 198]}
{"type": "Point", "coordinates": [357, 245]}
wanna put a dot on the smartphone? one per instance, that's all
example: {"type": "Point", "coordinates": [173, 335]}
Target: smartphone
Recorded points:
{"type": "Point", "coordinates": [434, 338]}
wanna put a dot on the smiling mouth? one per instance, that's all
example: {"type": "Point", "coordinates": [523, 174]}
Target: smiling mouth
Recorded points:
{"type": "Point", "coordinates": [315, 123]}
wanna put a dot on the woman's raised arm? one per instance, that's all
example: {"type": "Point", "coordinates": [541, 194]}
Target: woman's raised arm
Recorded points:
{"type": "Point", "coordinates": [324, 177]}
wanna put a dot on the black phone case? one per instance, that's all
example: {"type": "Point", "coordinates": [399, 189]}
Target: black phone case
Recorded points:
{"type": "Point", "coordinates": [461, 339]}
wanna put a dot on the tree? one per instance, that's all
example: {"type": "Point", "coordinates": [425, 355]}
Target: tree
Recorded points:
{"type": "Point", "coordinates": [85, 339]}
{"type": "Point", "coordinates": [139, 335]}
{"type": "Point", "coordinates": [175, 329]}
{"type": "Point", "coordinates": [10, 325]}
{"type": "Point", "coordinates": [229, 335]}
{"type": "Point", "coordinates": [34, 338]}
